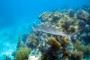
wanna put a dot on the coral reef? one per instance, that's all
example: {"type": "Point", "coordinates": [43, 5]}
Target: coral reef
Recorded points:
{"type": "Point", "coordinates": [56, 48]}
{"type": "Point", "coordinates": [61, 35]}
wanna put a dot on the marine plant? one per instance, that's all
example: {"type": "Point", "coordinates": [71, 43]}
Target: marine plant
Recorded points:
{"type": "Point", "coordinates": [83, 48]}
{"type": "Point", "coordinates": [22, 53]}
{"type": "Point", "coordinates": [76, 55]}
{"type": "Point", "coordinates": [66, 55]}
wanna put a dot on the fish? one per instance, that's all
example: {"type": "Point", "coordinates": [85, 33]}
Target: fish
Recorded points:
{"type": "Point", "coordinates": [53, 31]}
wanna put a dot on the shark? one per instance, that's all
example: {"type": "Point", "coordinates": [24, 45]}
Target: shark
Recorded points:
{"type": "Point", "coordinates": [53, 31]}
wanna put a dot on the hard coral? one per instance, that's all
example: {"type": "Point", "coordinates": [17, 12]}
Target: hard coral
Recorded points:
{"type": "Point", "coordinates": [22, 53]}
{"type": "Point", "coordinates": [56, 15]}
{"type": "Point", "coordinates": [82, 23]}
{"type": "Point", "coordinates": [83, 15]}
{"type": "Point", "coordinates": [46, 16]}
{"type": "Point", "coordinates": [68, 25]}
{"type": "Point", "coordinates": [33, 39]}
{"type": "Point", "coordinates": [71, 13]}
{"type": "Point", "coordinates": [72, 28]}
{"type": "Point", "coordinates": [53, 43]}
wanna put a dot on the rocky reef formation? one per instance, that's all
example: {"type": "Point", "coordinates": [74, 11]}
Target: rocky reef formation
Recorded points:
{"type": "Point", "coordinates": [59, 36]}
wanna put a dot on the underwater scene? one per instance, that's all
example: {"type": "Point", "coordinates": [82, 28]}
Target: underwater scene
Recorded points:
{"type": "Point", "coordinates": [44, 29]}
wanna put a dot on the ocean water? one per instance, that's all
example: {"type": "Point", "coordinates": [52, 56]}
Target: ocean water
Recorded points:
{"type": "Point", "coordinates": [17, 17]}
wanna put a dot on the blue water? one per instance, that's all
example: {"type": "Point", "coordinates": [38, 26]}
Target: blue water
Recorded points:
{"type": "Point", "coordinates": [12, 10]}
{"type": "Point", "coordinates": [17, 17]}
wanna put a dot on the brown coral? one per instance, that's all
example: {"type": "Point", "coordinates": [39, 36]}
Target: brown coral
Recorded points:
{"type": "Point", "coordinates": [64, 40]}
{"type": "Point", "coordinates": [53, 43]}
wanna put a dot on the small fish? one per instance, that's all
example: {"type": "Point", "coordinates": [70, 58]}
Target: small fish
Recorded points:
{"type": "Point", "coordinates": [54, 31]}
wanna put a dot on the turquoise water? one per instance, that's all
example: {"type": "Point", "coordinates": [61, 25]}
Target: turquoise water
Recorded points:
{"type": "Point", "coordinates": [17, 17]}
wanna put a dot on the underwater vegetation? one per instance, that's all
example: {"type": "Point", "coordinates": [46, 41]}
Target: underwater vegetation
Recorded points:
{"type": "Point", "coordinates": [22, 53]}
{"type": "Point", "coordinates": [83, 48]}
{"type": "Point", "coordinates": [59, 36]}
